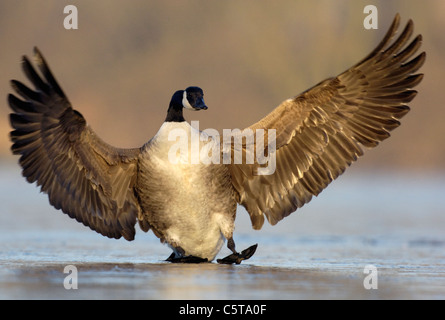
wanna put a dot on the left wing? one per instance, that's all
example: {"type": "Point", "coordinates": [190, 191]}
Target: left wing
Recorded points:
{"type": "Point", "coordinates": [320, 132]}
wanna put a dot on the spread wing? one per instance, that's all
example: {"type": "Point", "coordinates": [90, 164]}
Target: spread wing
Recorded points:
{"type": "Point", "coordinates": [320, 132]}
{"type": "Point", "coordinates": [88, 179]}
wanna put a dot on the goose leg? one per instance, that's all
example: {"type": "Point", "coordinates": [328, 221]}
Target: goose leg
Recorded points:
{"type": "Point", "coordinates": [236, 257]}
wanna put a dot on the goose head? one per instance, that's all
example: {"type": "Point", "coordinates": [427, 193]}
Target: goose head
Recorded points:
{"type": "Point", "coordinates": [191, 98]}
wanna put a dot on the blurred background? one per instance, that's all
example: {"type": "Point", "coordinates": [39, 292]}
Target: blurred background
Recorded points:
{"type": "Point", "coordinates": [120, 68]}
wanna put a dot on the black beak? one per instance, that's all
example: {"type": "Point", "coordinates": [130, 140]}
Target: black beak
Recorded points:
{"type": "Point", "coordinates": [200, 105]}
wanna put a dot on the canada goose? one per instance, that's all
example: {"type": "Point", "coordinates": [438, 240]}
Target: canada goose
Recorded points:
{"type": "Point", "coordinates": [319, 133]}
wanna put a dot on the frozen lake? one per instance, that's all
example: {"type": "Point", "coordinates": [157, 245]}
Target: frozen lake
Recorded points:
{"type": "Point", "coordinates": [392, 221]}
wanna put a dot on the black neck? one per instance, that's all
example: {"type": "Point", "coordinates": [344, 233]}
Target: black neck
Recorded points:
{"type": "Point", "coordinates": [174, 113]}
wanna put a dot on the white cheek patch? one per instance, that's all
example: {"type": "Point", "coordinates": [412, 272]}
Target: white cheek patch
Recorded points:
{"type": "Point", "coordinates": [185, 102]}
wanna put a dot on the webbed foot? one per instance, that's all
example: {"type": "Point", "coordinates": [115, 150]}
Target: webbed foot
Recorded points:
{"type": "Point", "coordinates": [185, 259]}
{"type": "Point", "coordinates": [238, 257]}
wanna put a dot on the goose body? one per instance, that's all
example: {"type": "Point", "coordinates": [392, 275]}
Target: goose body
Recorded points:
{"type": "Point", "coordinates": [188, 205]}
{"type": "Point", "coordinates": [191, 205]}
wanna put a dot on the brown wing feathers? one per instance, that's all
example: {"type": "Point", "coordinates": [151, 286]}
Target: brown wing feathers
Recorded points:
{"type": "Point", "coordinates": [83, 176]}
{"type": "Point", "coordinates": [323, 130]}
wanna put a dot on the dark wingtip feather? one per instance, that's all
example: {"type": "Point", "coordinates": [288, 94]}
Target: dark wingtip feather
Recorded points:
{"type": "Point", "coordinates": [19, 106]}
{"type": "Point", "coordinates": [386, 39]}
{"type": "Point", "coordinates": [32, 75]}
{"type": "Point", "coordinates": [401, 40]}
{"type": "Point", "coordinates": [24, 91]}
{"type": "Point", "coordinates": [46, 71]}
{"type": "Point", "coordinates": [415, 64]}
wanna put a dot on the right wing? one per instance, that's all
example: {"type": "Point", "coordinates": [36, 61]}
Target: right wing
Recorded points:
{"type": "Point", "coordinates": [88, 179]}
